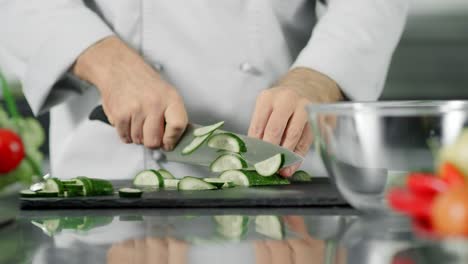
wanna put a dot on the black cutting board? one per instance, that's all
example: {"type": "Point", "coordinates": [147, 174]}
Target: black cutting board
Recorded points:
{"type": "Point", "coordinates": [317, 193]}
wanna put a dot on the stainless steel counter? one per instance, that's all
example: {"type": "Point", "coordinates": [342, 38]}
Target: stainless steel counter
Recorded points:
{"type": "Point", "coordinates": [199, 236]}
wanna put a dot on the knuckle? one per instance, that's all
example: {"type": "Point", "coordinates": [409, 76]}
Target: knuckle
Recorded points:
{"type": "Point", "coordinates": [153, 143]}
{"type": "Point", "coordinates": [303, 147]}
{"type": "Point", "coordinates": [294, 134]}
{"type": "Point", "coordinates": [274, 132]}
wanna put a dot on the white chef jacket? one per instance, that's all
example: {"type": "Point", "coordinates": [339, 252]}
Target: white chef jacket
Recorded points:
{"type": "Point", "coordinates": [218, 54]}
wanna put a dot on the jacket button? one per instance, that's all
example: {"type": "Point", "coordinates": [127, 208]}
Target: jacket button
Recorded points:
{"type": "Point", "coordinates": [249, 68]}
{"type": "Point", "coordinates": [158, 66]}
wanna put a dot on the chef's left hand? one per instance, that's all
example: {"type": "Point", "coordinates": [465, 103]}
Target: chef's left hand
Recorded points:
{"type": "Point", "coordinates": [280, 116]}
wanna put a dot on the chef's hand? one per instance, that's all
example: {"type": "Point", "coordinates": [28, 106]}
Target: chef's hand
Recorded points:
{"type": "Point", "coordinates": [280, 116]}
{"type": "Point", "coordinates": [138, 102]}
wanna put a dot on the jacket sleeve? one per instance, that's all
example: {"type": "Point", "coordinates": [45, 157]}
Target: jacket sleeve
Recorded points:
{"type": "Point", "coordinates": [39, 42]}
{"type": "Point", "coordinates": [353, 43]}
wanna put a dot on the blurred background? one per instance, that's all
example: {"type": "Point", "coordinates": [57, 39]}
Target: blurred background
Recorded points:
{"type": "Point", "coordinates": [431, 61]}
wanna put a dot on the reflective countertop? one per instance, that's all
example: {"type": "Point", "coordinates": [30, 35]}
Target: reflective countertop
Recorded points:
{"type": "Point", "coordinates": [297, 235]}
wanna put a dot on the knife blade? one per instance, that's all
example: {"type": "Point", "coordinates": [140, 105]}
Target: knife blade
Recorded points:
{"type": "Point", "coordinates": [257, 149]}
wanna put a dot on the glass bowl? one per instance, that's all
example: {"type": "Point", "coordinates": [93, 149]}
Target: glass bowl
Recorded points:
{"type": "Point", "coordinates": [369, 147]}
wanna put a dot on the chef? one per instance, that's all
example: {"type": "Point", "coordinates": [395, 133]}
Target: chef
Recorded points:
{"type": "Point", "coordinates": [155, 65]}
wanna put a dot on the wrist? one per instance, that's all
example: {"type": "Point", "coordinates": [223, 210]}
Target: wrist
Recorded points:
{"type": "Point", "coordinates": [311, 84]}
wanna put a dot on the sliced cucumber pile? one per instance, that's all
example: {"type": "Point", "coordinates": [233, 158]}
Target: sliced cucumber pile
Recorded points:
{"type": "Point", "coordinates": [232, 227]}
{"type": "Point", "coordinates": [227, 141]}
{"type": "Point", "coordinates": [189, 183]}
{"type": "Point", "coordinates": [228, 161]}
{"type": "Point", "coordinates": [201, 131]}
{"type": "Point", "coordinates": [130, 193]}
{"type": "Point", "coordinates": [301, 176]}
{"type": "Point", "coordinates": [80, 186]}
{"type": "Point", "coordinates": [251, 178]}
{"type": "Point", "coordinates": [270, 226]}
{"type": "Point", "coordinates": [149, 178]}
{"type": "Point", "coordinates": [270, 166]}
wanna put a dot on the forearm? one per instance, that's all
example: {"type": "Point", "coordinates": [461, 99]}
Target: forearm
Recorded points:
{"type": "Point", "coordinates": [311, 84]}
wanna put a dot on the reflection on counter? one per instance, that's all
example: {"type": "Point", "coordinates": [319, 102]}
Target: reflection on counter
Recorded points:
{"type": "Point", "coordinates": [228, 237]}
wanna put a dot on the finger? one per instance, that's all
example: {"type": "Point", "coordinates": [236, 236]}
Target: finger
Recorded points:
{"type": "Point", "coordinates": [153, 130]}
{"type": "Point", "coordinates": [262, 254]}
{"type": "Point", "coordinates": [262, 112]}
{"type": "Point", "coordinates": [177, 251]}
{"type": "Point", "coordinates": [123, 128]}
{"type": "Point", "coordinates": [176, 122]}
{"type": "Point", "coordinates": [302, 148]}
{"type": "Point", "coordinates": [294, 129]}
{"type": "Point", "coordinates": [280, 251]}
{"type": "Point", "coordinates": [277, 124]}
{"type": "Point", "coordinates": [137, 128]}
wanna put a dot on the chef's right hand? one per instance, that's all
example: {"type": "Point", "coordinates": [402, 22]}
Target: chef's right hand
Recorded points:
{"type": "Point", "coordinates": [143, 107]}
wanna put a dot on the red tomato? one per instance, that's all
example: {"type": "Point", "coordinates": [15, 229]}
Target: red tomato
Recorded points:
{"type": "Point", "coordinates": [409, 203]}
{"type": "Point", "coordinates": [11, 150]}
{"type": "Point", "coordinates": [449, 213]}
{"type": "Point", "coordinates": [452, 175]}
{"type": "Point", "coordinates": [425, 184]}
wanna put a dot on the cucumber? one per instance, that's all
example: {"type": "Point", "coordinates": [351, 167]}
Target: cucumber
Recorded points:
{"type": "Point", "coordinates": [166, 174]}
{"type": "Point", "coordinates": [270, 166]}
{"type": "Point", "coordinates": [171, 183]}
{"type": "Point", "coordinates": [231, 226]}
{"type": "Point", "coordinates": [251, 178]}
{"type": "Point", "coordinates": [301, 176]}
{"type": "Point", "coordinates": [65, 182]}
{"type": "Point", "coordinates": [201, 131]}
{"type": "Point", "coordinates": [228, 162]}
{"type": "Point", "coordinates": [192, 183]}
{"type": "Point", "coordinates": [270, 226]}
{"type": "Point", "coordinates": [149, 178]}
{"type": "Point", "coordinates": [194, 144]}
{"type": "Point", "coordinates": [73, 187]}
{"type": "Point", "coordinates": [73, 193]}
{"type": "Point", "coordinates": [219, 183]}
{"type": "Point", "coordinates": [53, 185]}
{"type": "Point", "coordinates": [95, 187]}
{"type": "Point", "coordinates": [130, 193]}
{"type": "Point", "coordinates": [227, 141]}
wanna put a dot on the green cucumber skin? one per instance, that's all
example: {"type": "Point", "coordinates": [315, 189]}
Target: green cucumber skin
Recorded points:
{"type": "Point", "coordinates": [301, 176]}
{"type": "Point", "coordinates": [96, 187]}
{"type": "Point", "coordinates": [242, 147]}
{"type": "Point", "coordinates": [256, 179]}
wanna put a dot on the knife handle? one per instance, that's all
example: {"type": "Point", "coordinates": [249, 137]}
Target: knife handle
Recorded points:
{"type": "Point", "coordinates": [99, 115]}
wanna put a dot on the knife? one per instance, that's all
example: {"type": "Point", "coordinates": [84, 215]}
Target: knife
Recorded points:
{"type": "Point", "coordinates": [257, 149]}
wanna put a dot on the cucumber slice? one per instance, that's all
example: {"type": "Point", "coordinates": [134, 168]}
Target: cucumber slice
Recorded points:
{"type": "Point", "coordinates": [130, 193]}
{"type": "Point", "coordinates": [73, 193]}
{"type": "Point", "coordinates": [166, 174]}
{"type": "Point", "coordinates": [231, 226]}
{"type": "Point", "coordinates": [251, 178]}
{"type": "Point", "coordinates": [194, 144]}
{"type": "Point", "coordinates": [301, 176]}
{"type": "Point", "coordinates": [87, 186]}
{"type": "Point", "coordinates": [201, 131]}
{"type": "Point", "coordinates": [219, 183]}
{"type": "Point", "coordinates": [39, 194]}
{"type": "Point", "coordinates": [192, 183]}
{"type": "Point", "coordinates": [53, 185]}
{"type": "Point", "coordinates": [171, 183]}
{"type": "Point", "coordinates": [270, 166]}
{"type": "Point", "coordinates": [270, 226]}
{"type": "Point", "coordinates": [227, 141]}
{"type": "Point", "coordinates": [65, 182]}
{"type": "Point", "coordinates": [73, 187]}
{"type": "Point", "coordinates": [28, 194]}
{"type": "Point", "coordinates": [149, 178]}
{"type": "Point", "coordinates": [228, 162]}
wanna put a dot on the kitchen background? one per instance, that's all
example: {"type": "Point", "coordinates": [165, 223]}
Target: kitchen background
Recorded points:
{"type": "Point", "coordinates": [431, 61]}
